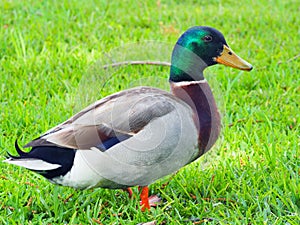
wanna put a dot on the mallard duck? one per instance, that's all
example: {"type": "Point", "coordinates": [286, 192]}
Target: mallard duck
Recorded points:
{"type": "Point", "coordinates": [139, 135]}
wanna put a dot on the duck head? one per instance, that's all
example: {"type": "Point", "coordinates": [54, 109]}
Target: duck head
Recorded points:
{"type": "Point", "coordinates": [198, 48]}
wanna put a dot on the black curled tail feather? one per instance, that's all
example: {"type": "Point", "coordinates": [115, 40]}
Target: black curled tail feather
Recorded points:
{"type": "Point", "coordinates": [19, 151]}
{"type": "Point", "coordinates": [21, 154]}
{"type": "Point", "coordinates": [48, 154]}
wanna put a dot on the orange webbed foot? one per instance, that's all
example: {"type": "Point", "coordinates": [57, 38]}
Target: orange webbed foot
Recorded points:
{"type": "Point", "coordinates": [146, 201]}
{"type": "Point", "coordinates": [144, 198]}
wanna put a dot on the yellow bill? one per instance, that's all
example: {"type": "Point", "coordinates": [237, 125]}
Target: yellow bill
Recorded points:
{"type": "Point", "coordinates": [229, 58]}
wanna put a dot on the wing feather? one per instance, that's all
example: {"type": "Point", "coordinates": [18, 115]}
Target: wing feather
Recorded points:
{"type": "Point", "coordinates": [120, 115]}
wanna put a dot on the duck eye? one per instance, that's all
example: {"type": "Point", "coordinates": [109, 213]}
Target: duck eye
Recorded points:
{"type": "Point", "coordinates": [207, 38]}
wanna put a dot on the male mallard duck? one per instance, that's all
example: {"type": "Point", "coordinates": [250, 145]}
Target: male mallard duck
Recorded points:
{"type": "Point", "coordinates": [136, 136]}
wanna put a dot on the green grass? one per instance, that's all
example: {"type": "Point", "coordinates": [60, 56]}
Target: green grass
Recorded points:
{"type": "Point", "coordinates": [50, 52]}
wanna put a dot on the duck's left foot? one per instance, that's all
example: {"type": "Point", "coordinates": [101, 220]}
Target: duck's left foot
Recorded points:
{"type": "Point", "coordinates": [154, 200]}
{"type": "Point", "coordinates": [146, 201]}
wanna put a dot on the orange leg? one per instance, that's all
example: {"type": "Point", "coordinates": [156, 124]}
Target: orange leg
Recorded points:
{"type": "Point", "coordinates": [129, 191]}
{"type": "Point", "coordinates": [144, 198]}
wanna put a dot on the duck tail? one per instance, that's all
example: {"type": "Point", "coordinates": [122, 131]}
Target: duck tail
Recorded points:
{"type": "Point", "coordinates": [21, 153]}
{"type": "Point", "coordinates": [29, 160]}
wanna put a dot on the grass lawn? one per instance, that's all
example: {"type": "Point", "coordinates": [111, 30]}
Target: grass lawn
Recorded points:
{"type": "Point", "coordinates": [51, 53]}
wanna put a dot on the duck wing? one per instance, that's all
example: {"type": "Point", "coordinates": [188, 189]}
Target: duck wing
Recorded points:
{"type": "Point", "coordinates": [110, 120]}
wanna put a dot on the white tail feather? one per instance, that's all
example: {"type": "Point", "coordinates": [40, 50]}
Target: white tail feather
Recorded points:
{"type": "Point", "coordinates": [33, 164]}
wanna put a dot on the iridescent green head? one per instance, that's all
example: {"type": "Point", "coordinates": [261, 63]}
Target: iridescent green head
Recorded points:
{"type": "Point", "coordinates": [198, 48]}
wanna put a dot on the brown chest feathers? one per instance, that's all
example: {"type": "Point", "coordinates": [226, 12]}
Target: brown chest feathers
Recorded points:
{"type": "Point", "coordinates": [198, 95]}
